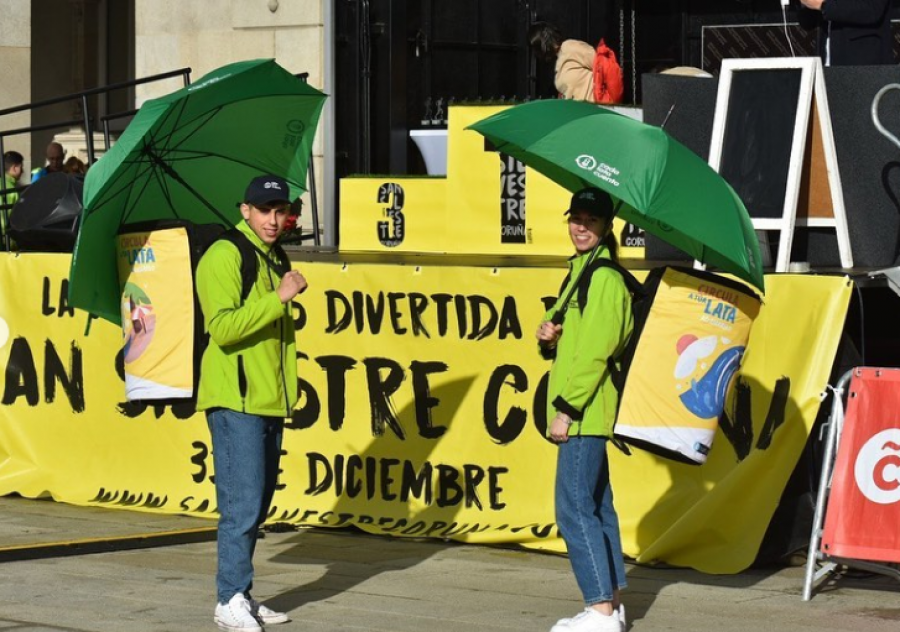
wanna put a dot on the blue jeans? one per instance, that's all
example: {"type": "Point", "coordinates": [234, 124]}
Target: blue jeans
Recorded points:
{"type": "Point", "coordinates": [587, 519]}
{"type": "Point", "coordinates": [246, 453]}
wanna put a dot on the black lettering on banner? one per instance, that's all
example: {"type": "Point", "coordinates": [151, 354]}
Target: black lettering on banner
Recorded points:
{"type": "Point", "coordinates": [372, 307]}
{"type": "Point", "coordinates": [336, 368]}
{"type": "Point", "coordinates": [392, 231]}
{"type": "Point", "coordinates": [423, 399]}
{"type": "Point", "coordinates": [449, 491]}
{"type": "Point", "coordinates": [64, 309]}
{"type": "Point", "coordinates": [442, 302]}
{"type": "Point", "coordinates": [279, 485]}
{"type": "Point", "coordinates": [459, 302]}
{"type": "Point", "coordinates": [416, 482]}
{"type": "Point", "coordinates": [203, 507]}
{"type": "Point", "coordinates": [199, 459]}
{"type": "Point", "coordinates": [391, 525]}
{"type": "Point", "coordinates": [539, 410]}
{"type": "Point", "coordinates": [393, 301]}
{"type": "Point", "coordinates": [509, 320]}
{"type": "Point", "coordinates": [387, 480]}
{"type": "Point", "coordinates": [494, 488]}
{"type": "Point", "coordinates": [22, 379]}
{"type": "Point", "coordinates": [417, 304]}
{"type": "Point", "coordinates": [380, 390]}
{"type": "Point", "coordinates": [128, 499]}
{"type": "Point", "coordinates": [441, 484]}
{"type": "Point", "coordinates": [737, 425]}
{"type": "Point", "coordinates": [308, 414]}
{"type": "Point", "coordinates": [334, 300]}
{"type": "Point", "coordinates": [477, 316]}
{"type": "Point", "coordinates": [21, 374]}
{"type": "Point", "coordinates": [516, 418]}
{"type": "Point", "coordinates": [72, 382]}
{"type": "Point", "coordinates": [512, 200]}
{"type": "Point", "coordinates": [299, 315]}
{"type": "Point", "coordinates": [479, 331]}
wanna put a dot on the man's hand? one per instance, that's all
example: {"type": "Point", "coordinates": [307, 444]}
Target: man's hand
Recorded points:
{"type": "Point", "coordinates": [812, 4]}
{"type": "Point", "coordinates": [559, 428]}
{"type": "Point", "coordinates": [292, 284]}
{"type": "Point", "coordinates": [548, 334]}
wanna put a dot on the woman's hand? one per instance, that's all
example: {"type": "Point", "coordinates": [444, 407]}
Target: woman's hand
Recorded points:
{"type": "Point", "coordinates": [559, 428]}
{"type": "Point", "coordinates": [548, 334]}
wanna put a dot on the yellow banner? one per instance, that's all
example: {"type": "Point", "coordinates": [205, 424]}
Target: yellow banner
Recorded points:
{"type": "Point", "coordinates": [421, 413]}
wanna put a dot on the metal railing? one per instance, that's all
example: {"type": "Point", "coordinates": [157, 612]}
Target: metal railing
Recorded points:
{"type": "Point", "coordinates": [86, 121]}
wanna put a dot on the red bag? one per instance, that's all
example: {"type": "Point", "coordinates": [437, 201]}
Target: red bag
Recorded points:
{"type": "Point", "coordinates": [608, 84]}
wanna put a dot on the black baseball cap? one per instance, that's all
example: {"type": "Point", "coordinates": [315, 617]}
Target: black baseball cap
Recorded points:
{"type": "Point", "coordinates": [268, 189]}
{"type": "Point", "coordinates": [592, 200]}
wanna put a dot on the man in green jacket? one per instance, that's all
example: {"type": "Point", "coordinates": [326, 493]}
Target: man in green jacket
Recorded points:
{"type": "Point", "coordinates": [248, 385]}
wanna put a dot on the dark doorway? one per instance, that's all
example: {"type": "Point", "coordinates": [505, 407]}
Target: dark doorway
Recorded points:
{"type": "Point", "coordinates": [402, 63]}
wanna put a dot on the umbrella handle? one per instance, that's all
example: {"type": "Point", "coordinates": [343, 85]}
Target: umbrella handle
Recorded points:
{"type": "Point", "coordinates": [881, 128]}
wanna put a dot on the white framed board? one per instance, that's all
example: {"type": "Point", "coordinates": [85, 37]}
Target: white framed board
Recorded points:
{"type": "Point", "coordinates": [772, 141]}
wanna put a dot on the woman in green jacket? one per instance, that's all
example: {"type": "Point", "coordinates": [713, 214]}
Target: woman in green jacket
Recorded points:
{"type": "Point", "coordinates": [582, 403]}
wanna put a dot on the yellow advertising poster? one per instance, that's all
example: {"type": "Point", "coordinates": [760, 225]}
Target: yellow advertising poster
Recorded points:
{"type": "Point", "coordinates": [158, 340]}
{"type": "Point", "coordinates": [689, 352]}
{"type": "Point", "coordinates": [422, 413]}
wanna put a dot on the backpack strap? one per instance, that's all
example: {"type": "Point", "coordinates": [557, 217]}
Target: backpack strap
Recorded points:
{"type": "Point", "coordinates": [635, 287]}
{"type": "Point", "coordinates": [637, 291]}
{"type": "Point", "coordinates": [249, 261]}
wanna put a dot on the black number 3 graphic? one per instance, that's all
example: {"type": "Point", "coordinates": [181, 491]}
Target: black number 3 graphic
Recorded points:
{"type": "Point", "coordinates": [391, 232]}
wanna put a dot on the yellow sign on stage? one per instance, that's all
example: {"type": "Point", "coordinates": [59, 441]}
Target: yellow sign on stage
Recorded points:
{"type": "Point", "coordinates": [489, 203]}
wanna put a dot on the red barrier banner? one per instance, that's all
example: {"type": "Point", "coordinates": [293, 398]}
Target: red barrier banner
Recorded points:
{"type": "Point", "coordinates": [864, 506]}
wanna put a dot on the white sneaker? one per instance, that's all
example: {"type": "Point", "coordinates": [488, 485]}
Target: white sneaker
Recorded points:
{"type": "Point", "coordinates": [235, 616]}
{"type": "Point", "coordinates": [589, 620]}
{"type": "Point", "coordinates": [266, 614]}
{"type": "Point", "coordinates": [618, 612]}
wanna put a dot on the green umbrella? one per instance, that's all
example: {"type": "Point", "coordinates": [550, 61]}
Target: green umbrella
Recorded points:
{"type": "Point", "coordinates": [665, 188]}
{"type": "Point", "coordinates": [188, 156]}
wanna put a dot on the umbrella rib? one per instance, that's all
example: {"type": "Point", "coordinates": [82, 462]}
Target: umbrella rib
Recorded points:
{"type": "Point", "coordinates": [152, 175]}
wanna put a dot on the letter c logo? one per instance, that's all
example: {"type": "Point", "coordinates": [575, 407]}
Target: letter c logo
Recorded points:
{"type": "Point", "coordinates": [877, 467]}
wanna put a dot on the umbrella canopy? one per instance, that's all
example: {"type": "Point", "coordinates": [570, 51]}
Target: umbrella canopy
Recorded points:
{"type": "Point", "coordinates": [189, 156]}
{"type": "Point", "coordinates": [665, 188]}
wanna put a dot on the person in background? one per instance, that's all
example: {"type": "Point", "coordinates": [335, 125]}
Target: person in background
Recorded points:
{"type": "Point", "coordinates": [13, 161]}
{"type": "Point", "coordinates": [74, 166]}
{"type": "Point", "coordinates": [851, 32]}
{"type": "Point", "coordinates": [248, 386]}
{"type": "Point", "coordinates": [582, 403]}
{"type": "Point", "coordinates": [55, 156]}
{"type": "Point", "coordinates": [574, 59]}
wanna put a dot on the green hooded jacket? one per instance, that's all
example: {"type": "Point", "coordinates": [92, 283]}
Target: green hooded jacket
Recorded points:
{"type": "Point", "coordinates": [580, 383]}
{"type": "Point", "coordinates": [250, 364]}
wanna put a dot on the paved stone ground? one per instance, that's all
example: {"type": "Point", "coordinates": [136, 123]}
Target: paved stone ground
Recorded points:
{"type": "Point", "coordinates": [137, 572]}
